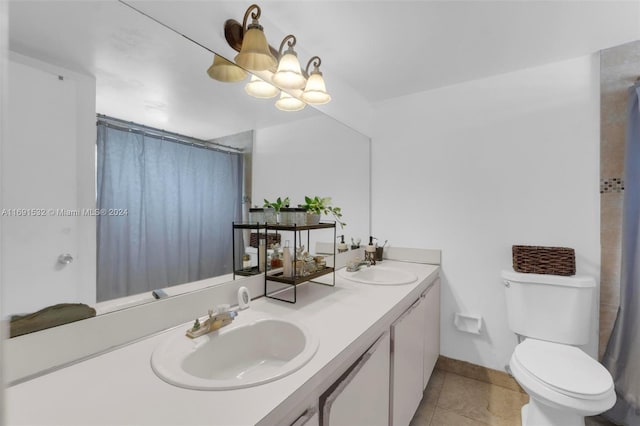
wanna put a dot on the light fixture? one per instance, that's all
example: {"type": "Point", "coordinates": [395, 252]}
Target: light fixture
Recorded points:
{"type": "Point", "coordinates": [255, 54]}
{"type": "Point", "coordinates": [289, 75]}
{"type": "Point", "coordinates": [289, 103]}
{"type": "Point", "coordinates": [258, 88]}
{"type": "Point", "coordinates": [315, 92]}
{"type": "Point", "coordinates": [226, 71]}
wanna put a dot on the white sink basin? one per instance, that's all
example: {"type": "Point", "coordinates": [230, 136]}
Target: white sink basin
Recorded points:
{"type": "Point", "coordinates": [235, 356]}
{"type": "Point", "coordinates": [379, 275]}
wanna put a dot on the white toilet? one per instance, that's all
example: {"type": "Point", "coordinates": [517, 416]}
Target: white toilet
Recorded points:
{"type": "Point", "coordinates": [552, 313]}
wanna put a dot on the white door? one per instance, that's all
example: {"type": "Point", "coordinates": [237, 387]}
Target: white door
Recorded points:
{"type": "Point", "coordinates": [432, 330]}
{"type": "Point", "coordinates": [361, 398]}
{"type": "Point", "coordinates": [407, 358]}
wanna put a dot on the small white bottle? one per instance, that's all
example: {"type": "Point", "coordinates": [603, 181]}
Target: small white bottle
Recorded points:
{"type": "Point", "coordinates": [286, 260]}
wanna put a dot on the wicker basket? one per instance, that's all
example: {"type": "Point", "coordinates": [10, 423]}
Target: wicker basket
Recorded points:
{"type": "Point", "coordinates": [271, 239]}
{"type": "Point", "coordinates": [544, 260]}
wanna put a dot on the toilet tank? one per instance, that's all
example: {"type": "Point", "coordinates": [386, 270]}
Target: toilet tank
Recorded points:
{"type": "Point", "coordinates": [550, 307]}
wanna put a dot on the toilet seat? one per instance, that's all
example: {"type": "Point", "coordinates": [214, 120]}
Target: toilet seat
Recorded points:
{"type": "Point", "coordinates": [565, 369]}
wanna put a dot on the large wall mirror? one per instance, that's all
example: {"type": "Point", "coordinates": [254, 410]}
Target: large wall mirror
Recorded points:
{"type": "Point", "coordinates": [71, 60]}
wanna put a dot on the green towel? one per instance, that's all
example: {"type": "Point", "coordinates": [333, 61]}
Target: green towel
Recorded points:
{"type": "Point", "coordinates": [50, 316]}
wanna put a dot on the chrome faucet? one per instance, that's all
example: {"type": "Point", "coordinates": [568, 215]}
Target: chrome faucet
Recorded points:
{"type": "Point", "coordinates": [355, 266]}
{"type": "Point", "coordinates": [223, 317]}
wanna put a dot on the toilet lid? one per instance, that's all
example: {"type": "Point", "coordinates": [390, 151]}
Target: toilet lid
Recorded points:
{"type": "Point", "coordinates": [565, 368]}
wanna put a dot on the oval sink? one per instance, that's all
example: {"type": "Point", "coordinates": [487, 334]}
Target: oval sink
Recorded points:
{"type": "Point", "coordinates": [379, 275]}
{"type": "Point", "coordinates": [235, 356]}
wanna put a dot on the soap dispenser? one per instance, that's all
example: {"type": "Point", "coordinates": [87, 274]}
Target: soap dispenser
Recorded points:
{"type": "Point", "coordinates": [370, 252]}
{"type": "Point", "coordinates": [342, 246]}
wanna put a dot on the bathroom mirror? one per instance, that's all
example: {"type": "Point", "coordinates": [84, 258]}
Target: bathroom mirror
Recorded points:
{"type": "Point", "coordinates": [146, 73]}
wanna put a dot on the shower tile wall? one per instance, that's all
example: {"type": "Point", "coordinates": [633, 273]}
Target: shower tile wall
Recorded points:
{"type": "Point", "coordinates": [619, 69]}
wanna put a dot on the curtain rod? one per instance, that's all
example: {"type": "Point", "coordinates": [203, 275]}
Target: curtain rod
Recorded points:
{"type": "Point", "coordinates": [167, 135]}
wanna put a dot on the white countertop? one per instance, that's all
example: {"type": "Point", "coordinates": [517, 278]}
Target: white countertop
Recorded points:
{"type": "Point", "coordinates": [119, 387]}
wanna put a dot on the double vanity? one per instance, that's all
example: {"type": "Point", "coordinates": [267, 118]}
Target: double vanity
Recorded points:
{"type": "Point", "coordinates": [357, 353]}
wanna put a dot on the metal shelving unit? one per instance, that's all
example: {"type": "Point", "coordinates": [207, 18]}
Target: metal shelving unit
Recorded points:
{"type": "Point", "coordinates": [276, 286]}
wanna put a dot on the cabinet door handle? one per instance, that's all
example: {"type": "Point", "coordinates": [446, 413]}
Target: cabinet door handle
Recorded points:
{"type": "Point", "coordinates": [305, 417]}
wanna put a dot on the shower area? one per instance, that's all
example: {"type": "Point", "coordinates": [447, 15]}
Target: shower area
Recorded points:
{"type": "Point", "coordinates": [619, 347]}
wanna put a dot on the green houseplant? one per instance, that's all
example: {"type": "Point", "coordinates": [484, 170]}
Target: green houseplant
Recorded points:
{"type": "Point", "coordinates": [277, 205]}
{"type": "Point", "coordinates": [317, 206]}
{"type": "Point", "coordinates": [272, 209]}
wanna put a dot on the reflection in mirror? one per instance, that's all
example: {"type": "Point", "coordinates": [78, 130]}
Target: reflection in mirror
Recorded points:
{"type": "Point", "coordinates": [72, 60]}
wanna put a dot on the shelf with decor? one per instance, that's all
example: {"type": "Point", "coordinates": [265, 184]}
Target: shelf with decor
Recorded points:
{"type": "Point", "coordinates": [280, 287]}
{"type": "Point", "coordinates": [251, 234]}
{"type": "Point", "coordinates": [277, 285]}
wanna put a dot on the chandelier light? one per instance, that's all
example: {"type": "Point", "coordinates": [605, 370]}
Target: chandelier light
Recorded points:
{"type": "Point", "coordinates": [258, 88]}
{"type": "Point", "coordinates": [225, 71]}
{"type": "Point", "coordinates": [255, 54]}
{"type": "Point", "coordinates": [289, 103]}
{"type": "Point", "coordinates": [289, 75]}
{"type": "Point", "coordinates": [315, 92]}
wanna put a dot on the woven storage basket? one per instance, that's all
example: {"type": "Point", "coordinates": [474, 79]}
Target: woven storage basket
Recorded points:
{"type": "Point", "coordinates": [271, 239]}
{"type": "Point", "coordinates": [544, 260]}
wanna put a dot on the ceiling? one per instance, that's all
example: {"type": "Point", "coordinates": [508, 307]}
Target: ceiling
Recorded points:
{"type": "Point", "coordinates": [144, 72]}
{"type": "Point", "coordinates": [371, 50]}
{"type": "Point", "coordinates": [385, 49]}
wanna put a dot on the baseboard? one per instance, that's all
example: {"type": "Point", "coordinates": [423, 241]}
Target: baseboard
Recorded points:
{"type": "Point", "coordinates": [477, 372]}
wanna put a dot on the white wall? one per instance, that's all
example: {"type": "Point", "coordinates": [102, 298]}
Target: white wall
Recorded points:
{"type": "Point", "coordinates": [48, 164]}
{"type": "Point", "coordinates": [475, 168]}
{"type": "Point", "coordinates": [316, 156]}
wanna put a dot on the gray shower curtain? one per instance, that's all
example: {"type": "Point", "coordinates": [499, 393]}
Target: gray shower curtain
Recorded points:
{"type": "Point", "coordinates": [622, 357]}
{"type": "Point", "coordinates": [174, 205]}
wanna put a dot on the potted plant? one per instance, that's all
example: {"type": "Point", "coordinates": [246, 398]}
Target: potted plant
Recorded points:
{"type": "Point", "coordinates": [317, 206]}
{"type": "Point", "coordinates": [273, 216]}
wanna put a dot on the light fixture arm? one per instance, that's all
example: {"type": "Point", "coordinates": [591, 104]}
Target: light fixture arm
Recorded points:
{"type": "Point", "coordinates": [290, 40]}
{"type": "Point", "coordinates": [316, 63]}
{"type": "Point", "coordinates": [254, 16]}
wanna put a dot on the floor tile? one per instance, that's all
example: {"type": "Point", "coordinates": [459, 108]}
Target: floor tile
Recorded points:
{"type": "Point", "coordinates": [442, 417]}
{"type": "Point", "coordinates": [597, 421]}
{"type": "Point", "coordinates": [429, 399]}
{"type": "Point", "coordinates": [483, 402]}
{"type": "Point", "coordinates": [477, 372]}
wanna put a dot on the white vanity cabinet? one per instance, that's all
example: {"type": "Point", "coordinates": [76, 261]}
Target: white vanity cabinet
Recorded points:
{"type": "Point", "coordinates": [415, 346]}
{"type": "Point", "coordinates": [361, 396]}
{"type": "Point", "coordinates": [431, 300]}
{"type": "Point", "coordinates": [407, 359]}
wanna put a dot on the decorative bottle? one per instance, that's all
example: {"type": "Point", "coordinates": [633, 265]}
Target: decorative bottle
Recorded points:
{"type": "Point", "coordinates": [286, 260]}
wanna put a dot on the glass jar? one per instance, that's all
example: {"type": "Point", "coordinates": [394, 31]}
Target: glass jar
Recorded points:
{"type": "Point", "coordinates": [270, 215]}
{"type": "Point", "coordinates": [321, 262]}
{"type": "Point", "coordinates": [276, 259]}
{"type": "Point", "coordinates": [256, 215]}
{"type": "Point", "coordinates": [310, 267]}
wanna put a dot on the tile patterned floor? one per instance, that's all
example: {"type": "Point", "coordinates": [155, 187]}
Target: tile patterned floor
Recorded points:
{"type": "Point", "coordinates": [454, 400]}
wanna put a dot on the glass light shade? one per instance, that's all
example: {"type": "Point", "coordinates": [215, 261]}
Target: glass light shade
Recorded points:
{"type": "Point", "coordinates": [226, 71]}
{"type": "Point", "coordinates": [289, 75]}
{"type": "Point", "coordinates": [255, 54]}
{"type": "Point", "coordinates": [315, 92]}
{"type": "Point", "coordinates": [258, 88]}
{"type": "Point", "coordinates": [289, 103]}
